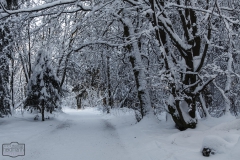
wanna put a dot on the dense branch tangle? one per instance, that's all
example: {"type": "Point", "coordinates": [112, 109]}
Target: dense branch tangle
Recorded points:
{"type": "Point", "coordinates": [181, 33]}
{"type": "Point", "coordinates": [189, 54]}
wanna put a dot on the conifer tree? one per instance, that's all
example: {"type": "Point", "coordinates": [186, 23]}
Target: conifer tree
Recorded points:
{"type": "Point", "coordinates": [43, 87]}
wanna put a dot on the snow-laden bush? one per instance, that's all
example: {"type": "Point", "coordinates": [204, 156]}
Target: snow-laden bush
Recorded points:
{"type": "Point", "coordinates": [213, 145]}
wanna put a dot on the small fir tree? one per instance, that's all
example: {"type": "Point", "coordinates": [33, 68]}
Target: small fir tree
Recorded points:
{"type": "Point", "coordinates": [43, 87]}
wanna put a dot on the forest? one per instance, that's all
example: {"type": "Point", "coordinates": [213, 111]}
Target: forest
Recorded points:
{"type": "Point", "coordinates": [174, 57]}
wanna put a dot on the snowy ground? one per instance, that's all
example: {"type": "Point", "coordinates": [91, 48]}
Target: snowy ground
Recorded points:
{"type": "Point", "coordinates": [90, 135]}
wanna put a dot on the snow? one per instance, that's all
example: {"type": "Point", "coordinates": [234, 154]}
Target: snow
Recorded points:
{"type": "Point", "coordinates": [216, 143]}
{"type": "Point", "coordinates": [89, 135]}
{"type": "Point", "coordinates": [4, 2]}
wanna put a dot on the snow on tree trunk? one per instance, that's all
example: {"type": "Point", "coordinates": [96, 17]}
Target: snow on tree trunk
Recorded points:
{"type": "Point", "coordinates": [139, 72]}
{"type": "Point", "coordinates": [204, 107]}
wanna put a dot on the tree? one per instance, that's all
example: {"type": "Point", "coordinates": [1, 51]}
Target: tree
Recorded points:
{"type": "Point", "coordinates": [185, 38]}
{"type": "Point", "coordinates": [5, 54]}
{"type": "Point", "coordinates": [140, 52]}
{"type": "Point", "coordinates": [43, 87]}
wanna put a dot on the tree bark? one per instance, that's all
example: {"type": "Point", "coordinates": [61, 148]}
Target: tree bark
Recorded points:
{"type": "Point", "coordinates": [79, 103]}
{"type": "Point", "coordinates": [138, 70]}
{"type": "Point", "coordinates": [43, 108]}
{"type": "Point", "coordinates": [182, 111]}
{"type": "Point", "coordinates": [110, 102]}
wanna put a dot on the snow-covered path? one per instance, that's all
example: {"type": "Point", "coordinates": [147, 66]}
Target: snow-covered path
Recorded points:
{"type": "Point", "coordinates": [83, 135]}
{"type": "Point", "coordinates": [90, 135]}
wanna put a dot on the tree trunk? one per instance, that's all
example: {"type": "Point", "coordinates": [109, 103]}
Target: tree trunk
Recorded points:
{"type": "Point", "coordinates": [5, 54]}
{"type": "Point", "coordinates": [4, 72]}
{"type": "Point", "coordinates": [182, 106]}
{"type": "Point", "coordinates": [138, 69]}
{"type": "Point", "coordinates": [12, 83]}
{"type": "Point", "coordinates": [43, 107]}
{"type": "Point", "coordinates": [79, 103]}
{"type": "Point", "coordinates": [110, 102]}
